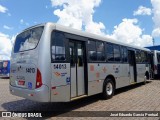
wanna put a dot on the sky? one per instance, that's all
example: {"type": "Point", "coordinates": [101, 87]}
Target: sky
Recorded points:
{"type": "Point", "coordinates": [135, 22]}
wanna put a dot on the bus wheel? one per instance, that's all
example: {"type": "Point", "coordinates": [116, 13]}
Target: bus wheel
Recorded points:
{"type": "Point", "coordinates": [108, 88]}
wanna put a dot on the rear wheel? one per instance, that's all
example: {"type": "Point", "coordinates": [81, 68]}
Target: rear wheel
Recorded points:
{"type": "Point", "coordinates": [108, 88]}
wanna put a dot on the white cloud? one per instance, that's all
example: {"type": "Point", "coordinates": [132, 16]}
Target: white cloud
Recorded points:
{"type": "Point", "coordinates": [156, 18]}
{"type": "Point", "coordinates": [156, 32]}
{"type": "Point", "coordinates": [5, 46]}
{"type": "Point", "coordinates": [78, 14]}
{"type": "Point", "coordinates": [3, 9]}
{"type": "Point", "coordinates": [129, 32]}
{"type": "Point", "coordinates": [7, 27]}
{"type": "Point", "coordinates": [142, 11]}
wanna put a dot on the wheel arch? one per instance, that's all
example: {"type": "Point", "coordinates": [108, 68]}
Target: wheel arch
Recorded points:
{"type": "Point", "coordinates": [110, 76]}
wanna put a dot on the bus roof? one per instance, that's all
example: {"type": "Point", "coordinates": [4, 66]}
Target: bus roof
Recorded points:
{"type": "Point", "coordinates": [86, 34]}
{"type": "Point", "coordinates": [157, 47]}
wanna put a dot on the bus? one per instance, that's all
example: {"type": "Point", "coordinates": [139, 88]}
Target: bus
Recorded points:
{"type": "Point", "coordinates": [4, 68]}
{"type": "Point", "coordinates": [54, 63]}
{"type": "Point", "coordinates": [155, 61]}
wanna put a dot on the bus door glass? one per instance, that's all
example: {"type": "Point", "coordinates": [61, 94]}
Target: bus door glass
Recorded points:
{"type": "Point", "coordinates": [76, 50]}
{"type": "Point", "coordinates": [132, 66]}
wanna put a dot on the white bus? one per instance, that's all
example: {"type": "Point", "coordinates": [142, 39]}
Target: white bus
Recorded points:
{"type": "Point", "coordinates": [53, 63]}
{"type": "Point", "coordinates": [155, 64]}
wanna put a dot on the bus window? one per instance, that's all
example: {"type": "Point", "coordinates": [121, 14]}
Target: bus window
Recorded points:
{"type": "Point", "coordinates": [28, 40]}
{"type": "Point", "coordinates": [117, 55]}
{"type": "Point", "coordinates": [92, 50]}
{"type": "Point", "coordinates": [124, 54]}
{"type": "Point", "coordinates": [138, 56]}
{"type": "Point", "coordinates": [110, 53]}
{"type": "Point", "coordinates": [144, 56]}
{"type": "Point", "coordinates": [58, 46]}
{"type": "Point", "coordinates": [100, 51]}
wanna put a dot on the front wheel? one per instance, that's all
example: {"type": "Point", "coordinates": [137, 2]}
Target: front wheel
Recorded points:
{"type": "Point", "coordinates": [108, 89]}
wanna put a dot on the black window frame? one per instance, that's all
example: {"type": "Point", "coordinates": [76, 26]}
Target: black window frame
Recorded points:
{"type": "Point", "coordinates": [64, 43]}
{"type": "Point", "coordinates": [89, 46]}
{"type": "Point", "coordinates": [115, 45]}
{"type": "Point", "coordinates": [124, 59]}
{"type": "Point", "coordinates": [110, 52]}
{"type": "Point", "coordinates": [102, 51]}
{"type": "Point", "coordinates": [138, 56]}
{"type": "Point", "coordinates": [95, 50]}
{"type": "Point", "coordinates": [144, 58]}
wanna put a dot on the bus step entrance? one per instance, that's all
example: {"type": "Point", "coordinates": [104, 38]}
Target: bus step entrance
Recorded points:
{"type": "Point", "coordinates": [78, 97]}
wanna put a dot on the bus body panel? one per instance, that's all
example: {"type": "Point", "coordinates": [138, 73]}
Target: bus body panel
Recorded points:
{"type": "Point", "coordinates": [40, 95]}
{"type": "Point", "coordinates": [61, 94]}
{"type": "Point", "coordinates": [24, 69]}
{"type": "Point", "coordinates": [123, 76]}
{"type": "Point", "coordinates": [60, 83]}
{"type": "Point", "coordinates": [4, 68]}
{"type": "Point", "coordinates": [141, 70]}
{"type": "Point", "coordinates": [23, 75]}
{"type": "Point", "coordinates": [95, 87]}
{"type": "Point", "coordinates": [100, 71]}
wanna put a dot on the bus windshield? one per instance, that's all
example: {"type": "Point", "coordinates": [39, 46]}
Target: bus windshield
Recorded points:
{"type": "Point", "coordinates": [28, 40]}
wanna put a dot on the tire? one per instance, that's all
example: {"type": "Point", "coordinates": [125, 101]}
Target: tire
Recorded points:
{"type": "Point", "coordinates": [108, 88]}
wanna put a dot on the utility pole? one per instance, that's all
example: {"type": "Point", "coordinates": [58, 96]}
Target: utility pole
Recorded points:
{"type": "Point", "coordinates": [153, 41]}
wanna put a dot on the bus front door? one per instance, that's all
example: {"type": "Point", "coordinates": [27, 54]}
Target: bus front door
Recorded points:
{"type": "Point", "coordinates": [77, 63]}
{"type": "Point", "coordinates": [132, 66]}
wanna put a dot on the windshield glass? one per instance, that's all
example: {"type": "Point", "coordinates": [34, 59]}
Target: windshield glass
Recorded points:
{"type": "Point", "coordinates": [28, 40]}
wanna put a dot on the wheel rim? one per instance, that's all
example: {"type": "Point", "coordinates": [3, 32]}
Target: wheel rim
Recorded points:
{"type": "Point", "coordinates": [109, 89]}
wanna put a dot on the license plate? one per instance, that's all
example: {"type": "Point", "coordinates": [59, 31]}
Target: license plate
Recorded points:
{"type": "Point", "coordinates": [21, 82]}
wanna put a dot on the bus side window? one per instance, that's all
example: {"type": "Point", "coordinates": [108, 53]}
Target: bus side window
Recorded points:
{"type": "Point", "coordinates": [138, 56]}
{"type": "Point", "coordinates": [124, 54]}
{"type": "Point", "coordinates": [92, 50]}
{"type": "Point", "coordinates": [144, 56]}
{"type": "Point", "coordinates": [58, 46]}
{"type": "Point", "coordinates": [100, 51]}
{"type": "Point", "coordinates": [117, 55]}
{"type": "Point", "coordinates": [110, 52]}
